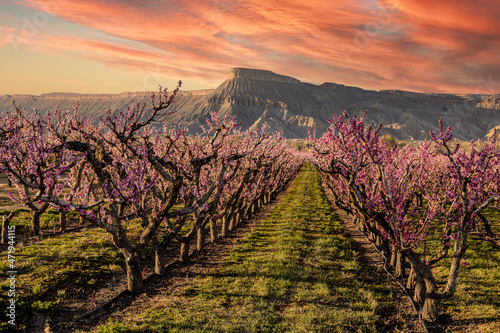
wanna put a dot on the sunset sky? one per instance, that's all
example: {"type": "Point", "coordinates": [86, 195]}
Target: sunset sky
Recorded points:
{"type": "Point", "coordinates": [91, 46]}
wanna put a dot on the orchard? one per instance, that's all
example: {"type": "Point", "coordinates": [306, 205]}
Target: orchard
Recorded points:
{"type": "Point", "coordinates": [184, 188]}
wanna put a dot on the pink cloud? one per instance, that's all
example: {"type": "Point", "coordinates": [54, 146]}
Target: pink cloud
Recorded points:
{"type": "Point", "coordinates": [445, 46]}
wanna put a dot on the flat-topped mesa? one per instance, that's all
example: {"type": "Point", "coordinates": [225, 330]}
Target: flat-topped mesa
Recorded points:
{"type": "Point", "coordinates": [259, 75]}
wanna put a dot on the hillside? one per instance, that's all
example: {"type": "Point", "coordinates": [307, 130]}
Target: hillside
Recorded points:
{"type": "Point", "coordinates": [287, 104]}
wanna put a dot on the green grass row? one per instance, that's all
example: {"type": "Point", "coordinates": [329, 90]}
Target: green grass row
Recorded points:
{"type": "Point", "coordinates": [295, 273]}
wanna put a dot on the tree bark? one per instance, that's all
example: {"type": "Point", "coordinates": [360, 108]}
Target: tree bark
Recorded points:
{"type": "Point", "coordinates": [362, 224]}
{"type": "Point", "coordinates": [121, 209]}
{"type": "Point", "coordinates": [35, 220]}
{"type": "Point", "coordinates": [62, 221]}
{"type": "Point", "coordinates": [159, 257]}
{"type": "Point", "coordinates": [420, 290]}
{"type": "Point", "coordinates": [237, 219]}
{"type": "Point", "coordinates": [232, 221]}
{"type": "Point", "coordinates": [5, 226]}
{"type": "Point", "coordinates": [200, 241]}
{"type": "Point", "coordinates": [225, 226]}
{"type": "Point", "coordinates": [460, 247]}
{"type": "Point", "coordinates": [429, 310]}
{"type": "Point", "coordinates": [5, 229]}
{"type": "Point", "coordinates": [134, 268]}
{"type": "Point", "coordinates": [394, 255]}
{"type": "Point", "coordinates": [400, 265]}
{"type": "Point", "coordinates": [213, 230]}
{"type": "Point", "coordinates": [184, 255]}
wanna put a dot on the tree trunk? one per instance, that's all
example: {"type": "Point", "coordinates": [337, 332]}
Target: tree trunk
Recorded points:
{"type": "Point", "coordinates": [237, 219]}
{"type": "Point", "coordinates": [451, 285]}
{"type": "Point", "coordinates": [362, 225]}
{"type": "Point", "coordinates": [5, 227]}
{"type": "Point", "coordinates": [386, 248]}
{"type": "Point", "coordinates": [394, 256]}
{"type": "Point", "coordinates": [419, 292]}
{"type": "Point", "coordinates": [232, 221]}
{"type": "Point", "coordinates": [200, 241]}
{"type": "Point", "coordinates": [62, 221]}
{"type": "Point", "coordinates": [400, 265]}
{"type": "Point", "coordinates": [225, 225]}
{"type": "Point", "coordinates": [82, 220]}
{"type": "Point", "coordinates": [410, 284]}
{"type": "Point", "coordinates": [429, 310]}
{"type": "Point", "coordinates": [184, 255]}
{"type": "Point", "coordinates": [121, 209]}
{"type": "Point", "coordinates": [460, 248]}
{"type": "Point", "coordinates": [35, 220]}
{"type": "Point", "coordinates": [159, 257]}
{"type": "Point", "coordinates": [134, 272]}
{"type": "Point", "coordinates": [213, 230]}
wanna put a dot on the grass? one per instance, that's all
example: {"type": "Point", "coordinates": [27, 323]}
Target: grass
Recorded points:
{"type": "Point", "coordinates": [477, 298]}
{"type": "Point", "coordinates": [60, 267]}
{"type": "Point", "coordinates": [295, 273]}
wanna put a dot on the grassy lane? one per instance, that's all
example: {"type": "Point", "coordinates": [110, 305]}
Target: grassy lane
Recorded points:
{"type": "Point", "coordinates": [295, 273]}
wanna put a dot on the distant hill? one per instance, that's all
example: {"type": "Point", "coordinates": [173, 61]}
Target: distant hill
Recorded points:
{"type": "Point", "coordinates": [288, 105]}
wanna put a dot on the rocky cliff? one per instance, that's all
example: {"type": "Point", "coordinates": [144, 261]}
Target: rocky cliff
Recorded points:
{"type": "Point", "coordinates": [291, 106]}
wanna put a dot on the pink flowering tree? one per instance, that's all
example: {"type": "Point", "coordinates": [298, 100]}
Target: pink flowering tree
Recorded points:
{"type": "Point", "coordinates": [117, 173]}
{"type": "Point", "coordinates": [379, 185]}
{"type": "Point", "coordinates": [134, 166]}
{"type": "Point", "coordinates": [31, 158]}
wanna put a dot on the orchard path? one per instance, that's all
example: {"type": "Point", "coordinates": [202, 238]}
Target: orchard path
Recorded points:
{"type": "Point", "coordinates": [292, 268]}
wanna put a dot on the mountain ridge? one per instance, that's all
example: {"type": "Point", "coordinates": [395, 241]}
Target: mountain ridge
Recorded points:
{"type": "Point", "coordinates": [289, 105]}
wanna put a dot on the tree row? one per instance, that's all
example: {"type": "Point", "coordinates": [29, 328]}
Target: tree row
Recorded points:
{"type": "Point", "coordinates": [402, 196]}
{"type": "Point", "coordinates": [137, 167]}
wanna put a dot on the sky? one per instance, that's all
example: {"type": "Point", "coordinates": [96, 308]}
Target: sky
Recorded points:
{"type": "Point", "coordinates": [91, 46]}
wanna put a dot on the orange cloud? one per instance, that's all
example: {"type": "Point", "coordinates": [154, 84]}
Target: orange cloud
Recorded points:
{"type": "Point", "coordinates": [423, 45]}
